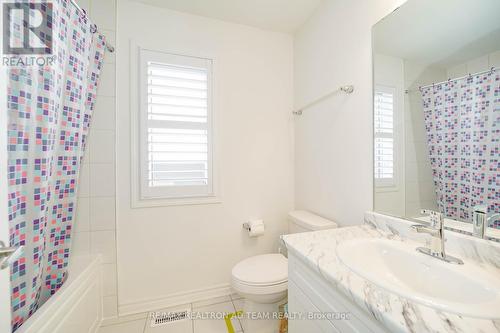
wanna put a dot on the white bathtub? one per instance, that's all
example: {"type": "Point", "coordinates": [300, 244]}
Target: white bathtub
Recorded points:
{"type": "Point", "coordinates": [77, 306]}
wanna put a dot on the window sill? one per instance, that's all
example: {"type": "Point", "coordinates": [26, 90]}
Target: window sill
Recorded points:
{"type": "Point", "coordinates": [385, 189]}
{"type": "Point", "coordinates": [148, 203]}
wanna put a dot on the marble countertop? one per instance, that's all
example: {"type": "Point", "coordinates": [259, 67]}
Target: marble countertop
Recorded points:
{"type": "Point", "coordinates": [318, 250]}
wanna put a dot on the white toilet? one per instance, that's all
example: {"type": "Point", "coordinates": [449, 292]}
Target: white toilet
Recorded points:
{"type": "Point", "coordinates": [262, 280]}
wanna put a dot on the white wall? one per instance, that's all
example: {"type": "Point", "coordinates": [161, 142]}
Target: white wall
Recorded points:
{"type": "Point", "coordinates": [180, 251]}
{"type": "Point", "coordinates": [333, 152]}
{"type": "Point", "coordinates": [476, 65]}
{"type": "Point", "coordinates": [95, 222]}
{"type": "Point", "coordinates": [389, 72]}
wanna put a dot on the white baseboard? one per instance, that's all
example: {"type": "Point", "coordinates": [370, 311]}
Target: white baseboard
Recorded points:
{"type": "Point", "coordinates": [173, 300]}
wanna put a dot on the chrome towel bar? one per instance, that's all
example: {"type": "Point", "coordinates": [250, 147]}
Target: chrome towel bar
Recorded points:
{"type": "Point", "coordinates": [348, 89]}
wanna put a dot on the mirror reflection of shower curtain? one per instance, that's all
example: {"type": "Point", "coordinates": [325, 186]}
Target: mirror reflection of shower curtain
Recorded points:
{"type": "Point", "coordinates": [462, 120]}
{"type": "Point", "coordinates": [49, 111]}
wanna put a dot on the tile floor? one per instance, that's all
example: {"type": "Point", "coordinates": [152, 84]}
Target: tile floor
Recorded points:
{"type": "Point", "coordinates": [141, 324]}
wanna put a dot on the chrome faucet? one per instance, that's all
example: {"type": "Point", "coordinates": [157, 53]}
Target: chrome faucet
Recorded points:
{"type": "Point", "coordinates": [436, 230]}
{"type": "Point", "coordinates": [481, 221]}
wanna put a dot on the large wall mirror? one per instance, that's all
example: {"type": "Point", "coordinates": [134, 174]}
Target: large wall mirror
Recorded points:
{"type": "Point", "coordinates": [437, 111]}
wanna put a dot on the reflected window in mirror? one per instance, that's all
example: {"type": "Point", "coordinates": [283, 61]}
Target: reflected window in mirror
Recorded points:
{"type": "Point", "coordinates": [384, 137]}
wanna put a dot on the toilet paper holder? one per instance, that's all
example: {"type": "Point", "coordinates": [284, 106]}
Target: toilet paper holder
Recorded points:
{"type": "Point", "coordinates": [255, 228]}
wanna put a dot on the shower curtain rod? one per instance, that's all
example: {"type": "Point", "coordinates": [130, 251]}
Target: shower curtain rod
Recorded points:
{"type": "Point", "coordinates": [407, 91]}
{"type": "Point", "coordinates": [109, 47]}
{"type": "Point", "coordinates": [491, 70]}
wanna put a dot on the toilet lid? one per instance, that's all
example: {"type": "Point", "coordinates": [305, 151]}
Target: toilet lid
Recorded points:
{"type": "Point", "coordinates": [265, 269]}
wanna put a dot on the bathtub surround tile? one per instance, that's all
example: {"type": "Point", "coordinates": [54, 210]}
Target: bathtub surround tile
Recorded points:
{"type": "Point", "coordinates": [102, 213]}
{"type": "Point", "coordinates": [104, 114]}
{"type": "Point", "coordinates": [82, 222]}
{"type": "Point", "coordinates": [102, 180]}
{"type": "Point", "coordinates": [104, 243]}
{"type": "Point", "coordinates": [103, 14]}
{"type": "Point", "coordinates": [478, 65]}
{"type": "Point", "coordinates": [458, 71]}
{"type": "Point", "coordinates": [102, 143]}
{"type": "Point", "coordinates": [108, 81]}
{"type": "Point", "coordinates": [80, 243]}
{"type": "Point", "coordinates": [95, 229]}
{"type": "Point", "coordinates": [109, 285]}
{"type": "Point", "coordinates": [85, 158]}
{"type": "Point", "coordinates": [495, 59]}
{"type": "Point", "coordinates": [84, 181]}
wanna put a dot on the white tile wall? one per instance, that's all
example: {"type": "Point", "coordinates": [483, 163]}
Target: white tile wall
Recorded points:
{"type": "Point", "coordinates": [102, 214]}
{"type": "Point", "coordinates": [480, 64]}
{"type": "Point", "coordinates": [95, 230]}
{"type": "Point", "coordinates": [84, 184]}
{"type": "Point", "coordinates": [102, 179]}
{"type": "Point", "coordinates": [495, 59]}
{"type": "Point", "coordinates": [103, 13]}
{"type": "Point", "coordinates": [419, 186]}
{"type": "Point", "coordinates": [104, 120]}
{"type": "Point", "coordinates": [103, 146]}
{"type": "Point", "coordinates": [457, 71]}
{"type": "Point", "coordinates": [83, 215]}
{"type": "Point", "coordinates": [80, 243]}
{"type": "Point", "coordinates": [109, 279]}
{"type": "Point", "coordinates": [107, 85]}
{"type": "Point", "coordinates": [103, 242]}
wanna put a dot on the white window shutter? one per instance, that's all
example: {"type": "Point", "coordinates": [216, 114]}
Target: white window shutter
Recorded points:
{"type": "Point", "coordinates": [176, 126]}
{"type": "Point", "coordinates": [384, 151]}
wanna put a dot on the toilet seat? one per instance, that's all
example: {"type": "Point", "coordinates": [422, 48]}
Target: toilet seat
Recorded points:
{"type": "Point", "coordinates": [259, 289]}
{"type": "Point", "coordinates": [261, 275]}
{"type": "Point", "coordinates": [263, 270]}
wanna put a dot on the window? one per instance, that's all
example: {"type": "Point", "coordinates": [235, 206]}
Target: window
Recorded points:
{"type": "Point", "coordinates": [175, 126]}
{"type": "Point", "coordinates": [384, 137]}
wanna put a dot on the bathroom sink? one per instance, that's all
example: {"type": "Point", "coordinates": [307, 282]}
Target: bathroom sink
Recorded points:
{"type": "Point", "coordinates": [467, 290]}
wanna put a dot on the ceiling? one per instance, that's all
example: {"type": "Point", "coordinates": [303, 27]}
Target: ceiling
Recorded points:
{"type": "Point", "coordinates": [442, 33]}
{"type": "Point", "coordinates": [275, 15]}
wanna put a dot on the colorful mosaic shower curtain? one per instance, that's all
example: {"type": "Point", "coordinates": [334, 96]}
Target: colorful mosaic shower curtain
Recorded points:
{"type": "Point", "coordinates": [49, 113]}
{"type": "Point", "coordinates": [462, 119]}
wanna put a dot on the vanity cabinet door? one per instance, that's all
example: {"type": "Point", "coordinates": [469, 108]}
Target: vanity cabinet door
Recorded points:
{"type": "Point", "coordinates": [299, 304]}
{"type": "Point", "coordinates": [326, 299]}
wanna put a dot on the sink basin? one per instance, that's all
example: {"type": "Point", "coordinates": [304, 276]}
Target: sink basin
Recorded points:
{"type": "Point", "coordinates": [467, 290]}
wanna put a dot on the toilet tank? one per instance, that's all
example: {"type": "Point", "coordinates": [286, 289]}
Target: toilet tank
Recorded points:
{"type": "Point", "coordinates": [302, 221]}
